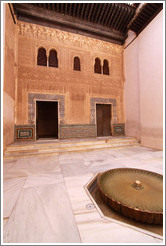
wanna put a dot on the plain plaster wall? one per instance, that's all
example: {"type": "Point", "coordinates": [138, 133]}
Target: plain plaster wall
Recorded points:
{"type": "Point", "coordinates": [144, 85]}
{"type": "Point", "coordinates": [132, 100]}
{"type": "Point", "coordinates": [9, 78]}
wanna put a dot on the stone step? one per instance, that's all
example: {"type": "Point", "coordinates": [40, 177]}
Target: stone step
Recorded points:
{"type": "Point", "coordinates": [62, 143]}
{"type": "Point", "coordinates": [29, 149]}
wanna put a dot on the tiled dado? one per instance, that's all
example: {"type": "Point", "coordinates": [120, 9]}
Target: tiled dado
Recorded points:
{"type": "Point", "coordinates": [77, 131]}
{"type": "Point", "coordinates": [27, 132]}
{"type": "Point", "coordinates": [83, 131]}
{"type": "Point", "coordinates": [24, 132]}
{"type": "Point", "coordinates": [33, 97]}
{"type": "Point", "coordinates": [119, 129]}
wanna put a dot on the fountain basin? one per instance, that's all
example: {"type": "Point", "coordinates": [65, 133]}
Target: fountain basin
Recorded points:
{"type": "Point", "coordinates": [134, 193]}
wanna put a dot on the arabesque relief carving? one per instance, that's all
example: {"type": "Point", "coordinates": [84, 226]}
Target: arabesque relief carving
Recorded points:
{"type": "Point", "coordinates": [36, 31]}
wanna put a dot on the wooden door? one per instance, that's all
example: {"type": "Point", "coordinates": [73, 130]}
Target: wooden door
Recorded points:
{"type": "Point", "coordinates": [103, 118]}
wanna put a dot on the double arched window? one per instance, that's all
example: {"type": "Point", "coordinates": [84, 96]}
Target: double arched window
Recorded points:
{"type": "Point", "coordinates": [77, 65]}
{"type": "Point", "coordinates": [99, 69]}
{"type": "Point", "coordinates": [42, 58]}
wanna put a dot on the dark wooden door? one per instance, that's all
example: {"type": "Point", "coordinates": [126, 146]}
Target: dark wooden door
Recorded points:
{"type": "Point", "coordinates": [46, 119]}
{"type": "Point", "coordinates": [103, 116]}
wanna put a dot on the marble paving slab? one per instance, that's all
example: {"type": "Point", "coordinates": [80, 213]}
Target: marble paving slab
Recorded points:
{"type": "Point", "coordinates": [42, 215]}
{"type": "Point", "coordinates": [78, 196]}
{"type": "Point", "coordinates": [51, 206]}
{"type": "Point", "coordinates": [5, 220]}
{"type": "Point", "coordinates": [43, 179]}
{"type": "Point", "coordinates": [94, 229]}
{"type": "Point", "coordinates": [11, 191]}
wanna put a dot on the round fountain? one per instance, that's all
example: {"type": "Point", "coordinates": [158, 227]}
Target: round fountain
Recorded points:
{"type": "Point", "coordinates": [135, 193]}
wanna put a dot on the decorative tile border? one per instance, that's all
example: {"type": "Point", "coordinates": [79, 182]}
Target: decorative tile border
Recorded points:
{"type": "Point", "coordinates": [119, 129]}
{"type": "Point", "coordinates": [95, 100]}
{"type": "Point", "coordinates": [33, 97]}
{"type": "Point", "coordinates": [77, 131]}
{"type": "Point", "coordinates": [24, 132]}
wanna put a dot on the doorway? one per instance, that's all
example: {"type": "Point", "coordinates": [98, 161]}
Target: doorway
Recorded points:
{"type": "Point", "coordinates": [103, 119]}
{"type": "Point", "coordinates": [46, 119]}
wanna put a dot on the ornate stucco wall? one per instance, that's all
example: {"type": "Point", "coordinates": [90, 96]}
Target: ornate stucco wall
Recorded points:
{"type": "Point", "coordinates": [78, 88]}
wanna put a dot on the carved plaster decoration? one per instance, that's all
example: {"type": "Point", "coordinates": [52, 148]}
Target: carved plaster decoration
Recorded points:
{"type": "Point", "coordinates": [36, 31]}
{"type": "Point", "coordinates": [33, 97]}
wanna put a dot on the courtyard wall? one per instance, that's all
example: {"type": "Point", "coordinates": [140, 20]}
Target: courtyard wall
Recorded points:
{"type": "Point", "coordinates": [144, 84]}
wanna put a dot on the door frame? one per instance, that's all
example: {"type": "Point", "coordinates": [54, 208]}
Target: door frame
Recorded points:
{"type": "Point", "coordinates": [111, 123]}
{"type": "Point", "coordinates": [44, 100]}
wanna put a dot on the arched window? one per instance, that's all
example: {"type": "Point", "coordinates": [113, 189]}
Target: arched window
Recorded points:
{"type": "Point", "coordinates": [105, 67]}
{"type": "Point", "coordinates": [97, 66]}
{"type": "Point", "coordinates": [77, 65]}
{"type": "Point", "coordinates": [53, 59]}
{"type": "Point", "coordinates": [41, 57]}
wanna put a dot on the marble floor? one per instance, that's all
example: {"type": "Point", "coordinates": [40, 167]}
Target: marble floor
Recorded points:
{"type": "Point", "coordinates": [45, 200]}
